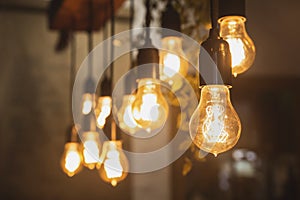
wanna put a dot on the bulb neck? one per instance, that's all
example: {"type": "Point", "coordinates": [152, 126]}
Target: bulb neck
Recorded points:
{"type": "Point", "coordinates": [172, 43]}
{"type": "Point", "coordinates": [148, 85]}
{"type": "Point", "coordinates": [129, 98]}
{"type": "Point", "coordinates": [114, 145]}
{"type": "Point", "coordinates": [216, 93]}
{"type": "Point", "coordinates": [232, 26]}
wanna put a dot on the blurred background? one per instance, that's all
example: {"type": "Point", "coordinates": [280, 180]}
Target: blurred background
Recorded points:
{"type": "Point", "coordinates": [34, 90]}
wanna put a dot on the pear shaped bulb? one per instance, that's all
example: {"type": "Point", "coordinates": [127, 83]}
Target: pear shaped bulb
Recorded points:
{"type": "Point", "coordinates": [215, 126]}
{"type": "Point", "coordinates": [125, 115]}
{"type": "Point", "coordinates": [71, 159]}
{"type": "Point", "coordinates": [103, 110]}
{"type": "Point", "coordinates": [91, 149]}
{"type": "Point", "coordinates": [150, 109]}
{"type": "Point", "coordinates": [242, 49]}
{"type": "Point", "coordinates": [172, 61]}
{"type": "Point", "coordinates": [114, 165]}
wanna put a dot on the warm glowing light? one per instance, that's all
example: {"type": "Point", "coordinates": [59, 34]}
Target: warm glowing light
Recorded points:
{"type": "Point", "coordinates": [237, 49]}
{"type": "Point", "coordinates": [215, 126]}
{"type": "Point", "coordinates": [87, 103]}
{"type": "Point", "coordinates": [91, 149]}
{"type": "Point", "coordinates": [125, 115]}
{"type": "Point", "coordinates": [150, 109]}
{"type": "Point", "coordinates": [171, 64]}
{"type": "Point", "coordinates": [103, 110]}
{"type": "Point", "coordinates": [115, 165]}
{"type": "Point", "coordinates": [172, 60]}
{"type": "Point", "coordinates": [232, 29]}
{"type": "Point", "coordinates": [71, 159]}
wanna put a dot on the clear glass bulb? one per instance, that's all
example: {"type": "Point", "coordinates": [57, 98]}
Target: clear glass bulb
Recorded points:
{"type": "Point", "coordinates": [150, 109]}
{"type": "Point", "coordinates": [215, 126]}
{"type": "Point", "coordinates": [103, 110]}
{"type": "Point", "coordinates": [71, 159]}
{"type": "Point", "coordinates": [125, 115]}
{"type": "Point", "coordinates": [232, 29]}
{"type": "Point", "coordinates": [172, 60]}
{"type": "Point", "coordinates": [114, 165]}
{"type": "Point", "coordinates": [87, 103]}
{"type": "Point", "coordinates": [91, 149]}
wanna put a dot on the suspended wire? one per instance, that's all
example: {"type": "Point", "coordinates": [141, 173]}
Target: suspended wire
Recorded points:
{"type": "Point", "coordinates": [90, 39]}
{"type": "Point", "coordinates": [131, 17]}
{"type": "Point", "coordinates": [72, 66]}
{"type": "Point", "coordinates": [148, 18]}
{"type": "Point", "coordinates": [214, 7]}
{"type": "Point", "coordinates": [112, 32]}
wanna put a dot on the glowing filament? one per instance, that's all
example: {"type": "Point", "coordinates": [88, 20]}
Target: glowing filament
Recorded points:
{"type": "Point", "coordinates": [91, 152]}
{"type": "Point", "coordinates": [112, 165]}
{"type": "Point", "coordinates": [72, 160]}
{"type": "Point", "coordinates": [87, 104]}
{"type": "Point", "coordinates": [237, 50]}
{"type": "Point", "coordinates": [213, 127]}
{"type": "Point", "coordinates": [171, 64]}
{"type": "Point", "coordinates": [103, 110]}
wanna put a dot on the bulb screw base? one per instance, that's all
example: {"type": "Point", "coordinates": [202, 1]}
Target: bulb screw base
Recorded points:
{"type": "Point", "coordinates": [232, 8]}
{"type": "Point", "coordinates": [215, 61]}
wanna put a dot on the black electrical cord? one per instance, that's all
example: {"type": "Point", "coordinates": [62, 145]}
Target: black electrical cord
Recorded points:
{"type": "Point", "coordinates": [148, 19]}
{"type": "Point", "coordinates": [131, 17]}
{"type": "Point", "coordinates": [112, 33]}
{"type": "Point", "coordinates": [90, 38]}
{"type": "Point", "coordinates": [218, 70]}
{"type": "Point", "coordinates": [72, 66]}
{"type": "Point", "coordinates": [214, 14]}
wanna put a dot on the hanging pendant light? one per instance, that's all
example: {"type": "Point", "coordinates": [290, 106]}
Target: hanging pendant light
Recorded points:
{"type": "Point", "coordinates": [104, 104]}
{"type": "Point", "coordinates": [214, 126]}
{"type": "Point", "coordinates": [91, 149]}
{"type": "Point", "coordinates": [71, 161]}
{"type": "Point", "coordinates": [114, 165]}
{"type": "Point", "coordinates": [125, 117]}
{"type": "Point", "coordinates": [124, 114]}
{"type": "Point", "coordinates": [91, 143]}
{"type": "Point", "coordinates": [173, 62]}
{"type": "Point", "coordinates": [150, 109]}
{"type": "Point", "coordinates": [232, 29]}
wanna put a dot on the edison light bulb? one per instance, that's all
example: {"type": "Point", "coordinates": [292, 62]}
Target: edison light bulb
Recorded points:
{"type": "Point", "coordinates": [125, 115]}
{"type": "Point", "coordinates": [242, 49]}
{"type": "Point", "coordinates": [150, 109]}
{"type": "Point", "coordinates": [87, 103]}
{"type": "Point", "coordinates": [91, 149]}
{"type": "Point", "coordinates": [172, 60]}
{"type": "Point", "coordinates": [114, 165]}
{"type": "Point", "coordinates": [215, 126]}
{"type": "Point", "coordinates": [103, 110]}
{"type": "Point", "coordinates": [71, 159]}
